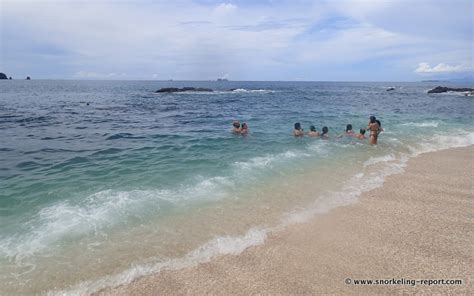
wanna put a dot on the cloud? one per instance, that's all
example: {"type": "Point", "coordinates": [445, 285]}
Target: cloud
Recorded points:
{"type": "Point", "coordinates": [202, 39]}
{"type": "Point", "coordinates": [225, 8]}
{"type": "Point", "coordinates": [95, 75]}
{"type": "Point", "coordinates": [440, 68]}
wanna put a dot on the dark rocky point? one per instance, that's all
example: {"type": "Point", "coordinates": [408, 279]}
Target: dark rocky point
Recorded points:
{"type": "Point", "coordinates": [28, 78]}
{"type": "Point", "coordinates": [443, 89]}
{"type": "Point", "coordinates": [390, 89]}
{"type": "Point", "coordinates": [3, 76]}
{"type": "Point", "coordinates": [175, 89]}
{"type": "Point", "coordinates": [10, 78]}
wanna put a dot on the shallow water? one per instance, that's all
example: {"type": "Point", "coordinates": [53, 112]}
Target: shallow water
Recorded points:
{"type": "Point", "coordinates": [104, 181]}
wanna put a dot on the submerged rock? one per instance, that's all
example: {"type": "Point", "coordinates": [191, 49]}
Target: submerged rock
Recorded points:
{"type": "Point", "coordinates": [443, 89]}
{"type": "Point", "coordinates": [3, 76]}
{"type": "Point", "coordinates": [175, 89]}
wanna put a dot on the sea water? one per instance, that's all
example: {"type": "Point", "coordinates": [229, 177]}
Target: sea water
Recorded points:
{"type": "Point", "coordinates": [102, 182]}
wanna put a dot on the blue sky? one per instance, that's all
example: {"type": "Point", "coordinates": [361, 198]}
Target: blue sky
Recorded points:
{"type": "Point", "coordinates": [335, 40]}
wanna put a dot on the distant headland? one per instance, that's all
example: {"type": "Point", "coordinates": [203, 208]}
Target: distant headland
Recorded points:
{"type": "Point", "coordinates": [5, 77]}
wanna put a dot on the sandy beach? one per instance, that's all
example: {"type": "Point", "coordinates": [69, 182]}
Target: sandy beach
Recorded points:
{"type": "Point", "coordinates": [418, 226]}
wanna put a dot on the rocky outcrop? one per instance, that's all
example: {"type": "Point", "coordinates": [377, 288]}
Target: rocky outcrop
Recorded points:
{"type": "Point", "coordinates": [175, 89]}
{"type": "Point", "coordinates": [3, 76]}
{"type": "Point", "coordinates": [443, 89]}
{"type": "Point", "coordinates": [28, 78]}
{"type": "Point", "coordinates": [390, 89]}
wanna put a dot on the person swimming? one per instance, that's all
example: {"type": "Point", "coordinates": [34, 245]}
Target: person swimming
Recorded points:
{"type": "Point", "coordinates": [373, 127]}
{"type": "Point", "coordinates": [325, 133]}
{"type": "Point", "coordinates": [298, 131]}
{"type": "Point", "coordinates": [244, 129]}
{"type": "Point", "coordinates": [349, 131]}
{"type": "Point", "coordinates": [236, 127]}
{"type": "Point", "coordinates": [313, 132]}
{"type": "Point", "coordinates": [361, 134]}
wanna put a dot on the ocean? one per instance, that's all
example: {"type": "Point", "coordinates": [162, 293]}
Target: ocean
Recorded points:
{"type": "Point", "coordinates": [102, 182]}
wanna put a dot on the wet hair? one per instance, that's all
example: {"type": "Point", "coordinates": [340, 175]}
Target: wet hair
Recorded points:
{"type": "Point", "coordinates": [362, 131]}
{"type": "Point", "coordinates": [244, 125]}
{"type": "Point", "coordinates": [325, 130]}
{"type": "Point", "coordinates": [372, 119]}
{"type": "Point", "coordinates": [378, 122]}
{"type": "Point", "coordinates": [236, 124]}
{"type": "Point", "coordinates": [312, 128]}
{"type": "Point", "coordinates": [348, 127]}
{"type": "Point", "coordinates": [297, 126]}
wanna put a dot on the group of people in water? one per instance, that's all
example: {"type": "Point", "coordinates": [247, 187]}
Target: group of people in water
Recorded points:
{"type": "Point", "coordinates": [374, 127]}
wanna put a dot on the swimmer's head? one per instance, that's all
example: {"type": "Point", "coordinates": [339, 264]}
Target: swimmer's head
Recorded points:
{"type": "Point", "coordinates": [372, 119]}
{"type": "Point", "coordinates": [312, 128]}
{"type": "Point", "coordinates": [348, 127]}
{"type": "Point", "coordinates": [244, 125]}
{"type": "Point", "coordinates": [325, 130]}
{"type": "Point", "coordinates": [236, 124]}
{"type": "Point", "coordinates": [297, 126]}
{"type": "Point", "coordinates": [362, 131]}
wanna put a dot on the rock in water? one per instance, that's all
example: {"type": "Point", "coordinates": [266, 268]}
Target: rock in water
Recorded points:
{"type": "Point", "coordinates": [168, 89]}
{"type": "Point", "coordinates": [3, 76]}
{"type": "Point", "coordinates": [175, 89]}
{"type": "Point", "coordinates": [443, 89]}
{"type": "Point", "coordinates": [28, 78]}
{"type": "Point", "coordinates": [390, 89]}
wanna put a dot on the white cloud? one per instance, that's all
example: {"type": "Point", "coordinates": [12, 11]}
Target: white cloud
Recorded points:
{"type": "Point", "coordinates": [191, 40]}
{"type": "Point", "coordinates": [95, 75]}
{"type": "Point", "coordinates": [225, 8]}
{"type": "Point", "coordinates": [440, 68]}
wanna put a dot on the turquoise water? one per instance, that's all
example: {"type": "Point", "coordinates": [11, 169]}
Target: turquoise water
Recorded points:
{"type": "Point", "coordinates": [105, 181]}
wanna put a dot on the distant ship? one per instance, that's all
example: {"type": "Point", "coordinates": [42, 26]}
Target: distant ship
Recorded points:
{"type": "Point", "coordinates": [222, 79]}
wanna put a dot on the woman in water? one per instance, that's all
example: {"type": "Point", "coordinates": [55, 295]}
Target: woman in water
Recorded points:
{"type": "Point", "coordinates": [361, 134]}
{"type": "Point", "coordinates": [325, 134]}
{"type": "Point", "coordinates": [349, 131]}
{"type": "Point", "coordinates": [236, 127]}
{"type": "Point", "coordinates": [245, 129]}
{"type": "Point", "coordinates": [373, 128]}
{"type": "Point", "coordinates": [298, 131]}
{"type": "Point", "coordinates": [313, 132]}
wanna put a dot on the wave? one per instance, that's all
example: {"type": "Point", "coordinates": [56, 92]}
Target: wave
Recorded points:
{"type": "Point", "coordinates": [234, 245]}
{"type": "Point", "coordinates": [243, 90]}
{"type": "Point", "coordinates": [269, 160]}
{"type": "Point", "coordinates": [375, 160]}
{"type": "Point", "coordinates": [351, 191]}
{"type": "Point", "coordinates": [422, 124]}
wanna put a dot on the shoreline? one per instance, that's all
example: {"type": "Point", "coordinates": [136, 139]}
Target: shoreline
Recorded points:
{"type": "Point", "coordinates": [416, 226]}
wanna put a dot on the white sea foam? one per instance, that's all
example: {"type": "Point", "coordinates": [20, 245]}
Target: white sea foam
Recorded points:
{"type": "Point", "coordinates": [243, 90]}
{"type": "Point", "coordinates": [269, 160]}
{"type": "Point", "coordinates": [226, 245]}
{"type": "Point", "coordinates": [422, 124]}
{"type": "Point", "coordinates": [442, 142]}
{"type": "Point", "coordinates": [375, 160]}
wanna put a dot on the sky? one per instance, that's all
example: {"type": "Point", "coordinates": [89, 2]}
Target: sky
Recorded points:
{"type": "Point", "coordinates": [298, 40]}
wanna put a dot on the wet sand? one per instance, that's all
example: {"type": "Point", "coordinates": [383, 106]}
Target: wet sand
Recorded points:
{"type": "Point", "coordinates": [419, 225]}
